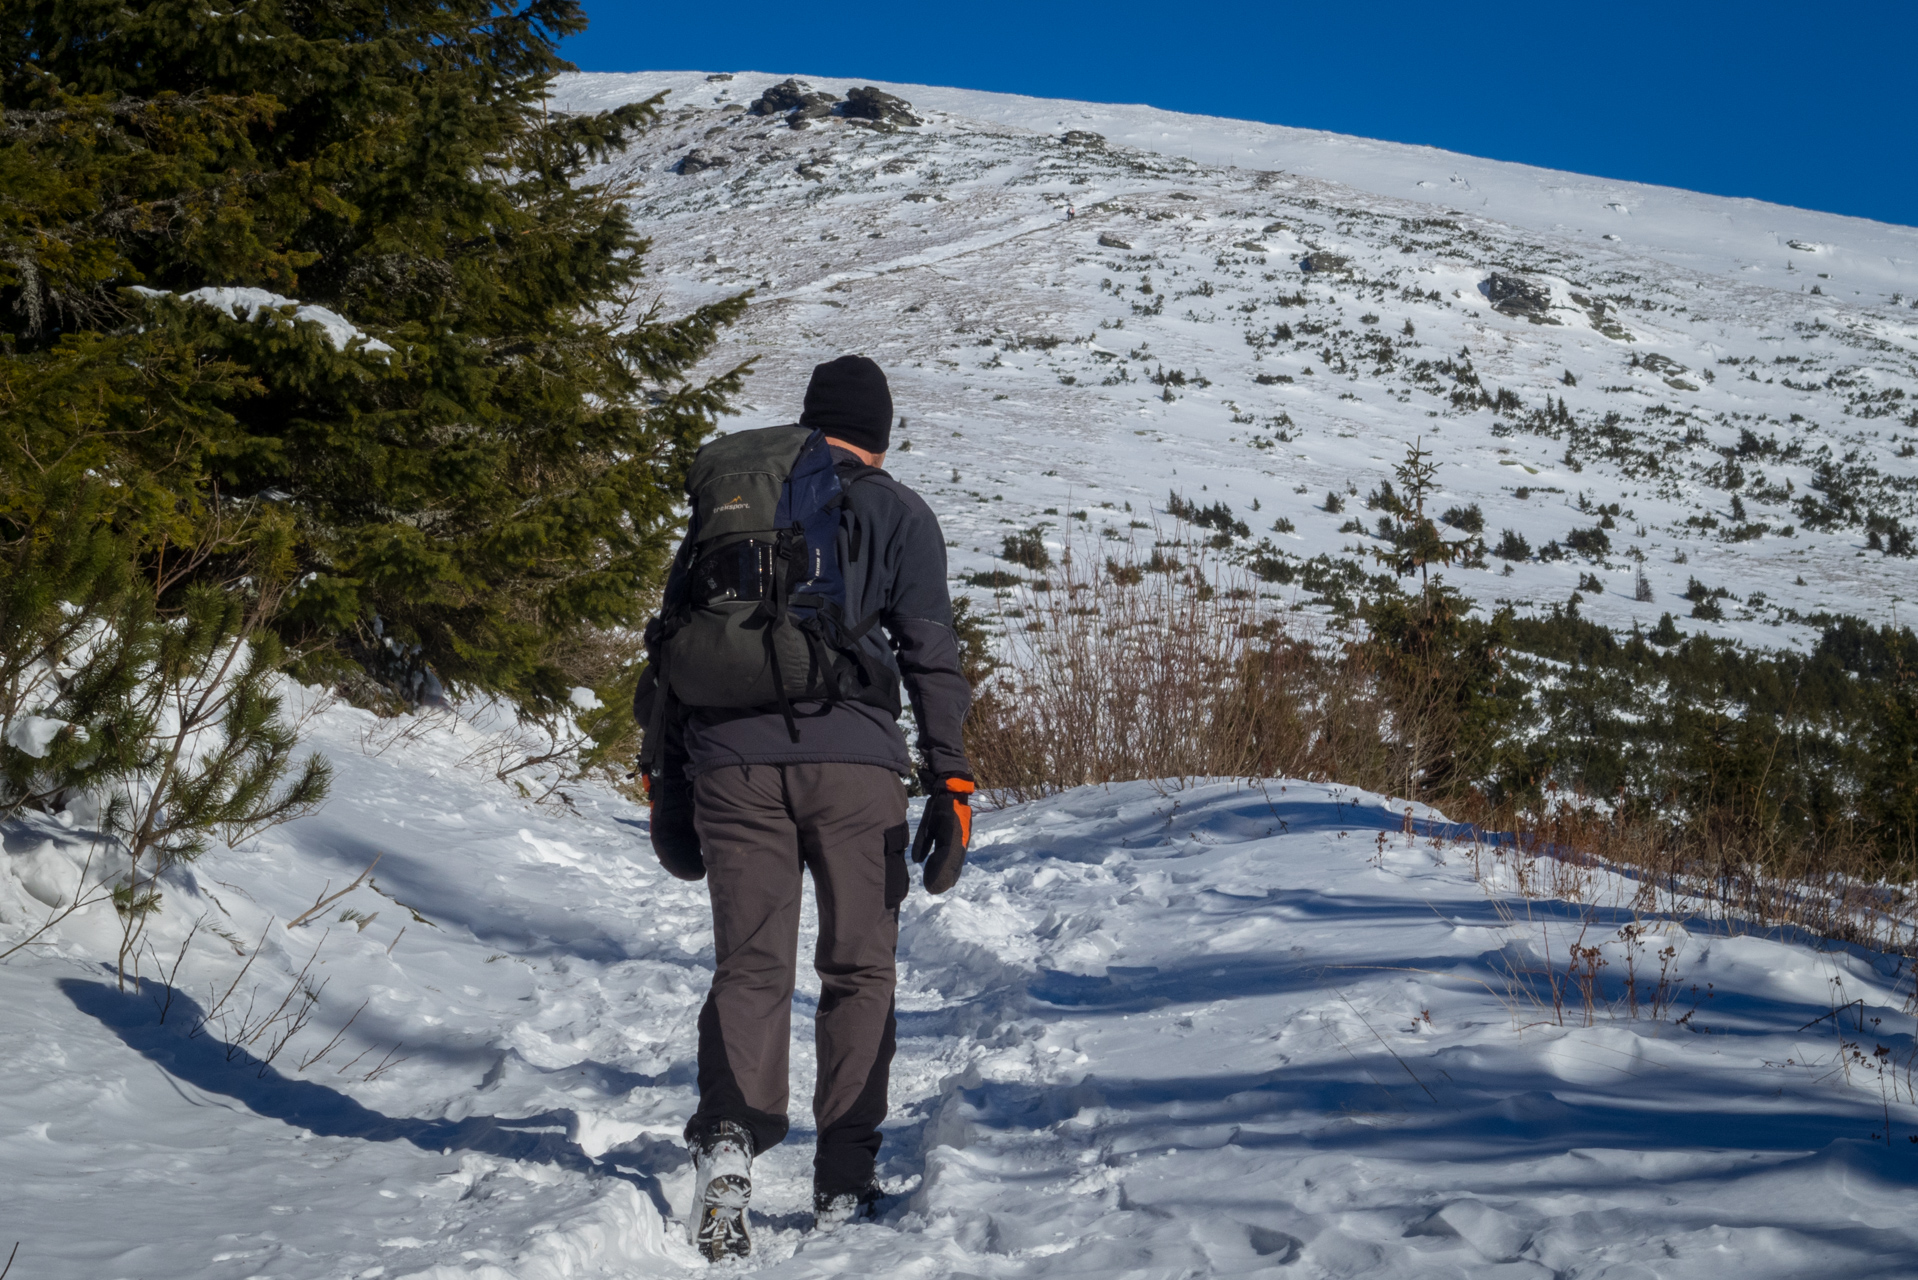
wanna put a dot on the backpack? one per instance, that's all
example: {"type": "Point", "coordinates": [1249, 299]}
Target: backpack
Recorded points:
{"type": "Point", "coordinates": [755, 608]}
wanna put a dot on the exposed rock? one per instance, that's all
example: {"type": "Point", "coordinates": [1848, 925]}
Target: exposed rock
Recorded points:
{"type": "Point", "coordinates": [718, 76]}
{"type": "Point", "coordinates": [1604, 317]}
{"type": "Point", "coordinates": [788, 96]}
{"type": "Point", "coordinates": [1322, 262]}
{"type": "Point", "coordinates": [1802, 246]}
{"type": "Point", "coordinates": [1251, 246]}
{"type": "Point", "coordinates": [1517, 296]}
{"type": "Point", "coordinates": [1670, 370]}
{"type": "Point", "coordinates": [1111, 241]}
{"type": "Point", "coordinates": [868, 103]}
{"type": "Point", "coordinates": [802, 117]}
{"type": "Point", "coordinates": [1081, 138]}
{"type": "Point", "coordinates": [698, 160]}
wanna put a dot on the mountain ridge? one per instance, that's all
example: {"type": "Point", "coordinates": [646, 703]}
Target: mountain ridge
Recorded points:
{"type": "Point", "coordinates": [1720, 431]}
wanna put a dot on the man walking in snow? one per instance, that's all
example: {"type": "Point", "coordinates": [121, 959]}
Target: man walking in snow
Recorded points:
{"type": "Point", "coordinates": [755, 797]}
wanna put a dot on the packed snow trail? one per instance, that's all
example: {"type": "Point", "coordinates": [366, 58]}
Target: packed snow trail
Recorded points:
{"type": "Point", "coordinates": [1230, 1029]}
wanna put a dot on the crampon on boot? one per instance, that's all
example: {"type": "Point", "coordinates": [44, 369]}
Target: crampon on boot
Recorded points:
{"type": "Point", "coordinates": [722, 1187]}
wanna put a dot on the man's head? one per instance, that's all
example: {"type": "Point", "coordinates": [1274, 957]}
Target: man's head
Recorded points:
{"type": "Point", "coordinates": [848, 399]}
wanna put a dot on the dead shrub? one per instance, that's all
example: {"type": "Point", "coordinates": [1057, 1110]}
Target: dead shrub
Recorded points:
{"type": "Point", "coordinates": [1111, 673]}
{"type": "Point", "coordinates": [1107, 673]}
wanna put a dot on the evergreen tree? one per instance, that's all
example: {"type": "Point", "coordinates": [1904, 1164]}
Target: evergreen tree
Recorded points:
{"type": "Point", "coordinates": [318, 345]}
{"type": "Point", "coordinates": [478, 452]}
{"type": "Point", "coordinates": [1443, 672]}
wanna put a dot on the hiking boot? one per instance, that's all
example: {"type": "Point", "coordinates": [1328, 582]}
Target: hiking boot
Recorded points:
{"type": "Point", "coordinates": [831, 1211]}
{"type": "Point", "coordinates": [722, 1187]}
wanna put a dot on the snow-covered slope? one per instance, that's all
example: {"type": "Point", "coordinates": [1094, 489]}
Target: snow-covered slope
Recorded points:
{"type": "Point", "coordinates": [1744, 239]}
{"type": "Point", "coordinates": [1223, 1030]}
{"type": "Point", "coordinates": [1677, 359]}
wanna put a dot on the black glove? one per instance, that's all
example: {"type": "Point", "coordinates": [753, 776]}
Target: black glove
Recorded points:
{"type": "Point", "coordinates": [945, 829]}
{"type": "Point", "coordinates": [675, 842]}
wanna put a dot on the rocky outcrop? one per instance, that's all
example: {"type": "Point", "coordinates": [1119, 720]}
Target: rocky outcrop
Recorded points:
{"type": "Point", "coordinates": [1082, 138]}
{"type": "Point", "coordinates": [1517, 296]}
{"type": "Point", "coordinates": [699, 160]}
{"type": "Point", "coordinates": [1322, 262]}
{"type": "Point", "coordinates": [798, 101]}
{"type": "Point", "coordinates": [868, 103]}
{"type": "Point", "coordinates": [1111, 241]}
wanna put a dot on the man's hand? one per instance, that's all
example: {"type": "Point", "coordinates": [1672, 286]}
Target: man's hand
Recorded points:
{"type": "Point", "coordinates": [675, 842]}
{"type": "Point", "coordinates": [945, 829]}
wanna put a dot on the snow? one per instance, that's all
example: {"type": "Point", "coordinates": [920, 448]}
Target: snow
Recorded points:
{"type": "Point", "coordinates": [1231, 1028]}
{"type": "Point", "coordinates": [35, 734]}
{"type": "Point", "coordinates": [1021, 351]}
{"type": "Point", "coordinates": [249, 302]}
{"type": "Point", "coordinates": [1719, 234]}
{"type": "Point", "coordinates": [1221, 1029]}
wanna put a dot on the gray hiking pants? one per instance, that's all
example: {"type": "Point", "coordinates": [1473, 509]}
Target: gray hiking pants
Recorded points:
{"type": "Point", "coordinates": [761, 828]}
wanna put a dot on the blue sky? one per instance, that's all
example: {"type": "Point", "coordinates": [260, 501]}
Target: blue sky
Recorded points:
{"type": "Point", "coordinates": [1810, 105]}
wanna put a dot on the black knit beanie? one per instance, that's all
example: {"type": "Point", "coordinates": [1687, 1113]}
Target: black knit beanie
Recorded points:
{"type": "Point", "coordinates": [848, 399]}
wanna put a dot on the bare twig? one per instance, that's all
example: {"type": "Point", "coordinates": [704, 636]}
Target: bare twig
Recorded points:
{"type": "Point", "coordinates": [387, 1063]}
{"type": "Point", "coordinates": [81, 900]}
{"type": "Point", "coordinates": [291, 1023]}
{"type": "Point", "coordinates": [1835, 1012]}
{"type": "Point", "coordinates": [337, 1037]}
{"type": "Point", "coordinates": [1388, 1048]}
{"type": "Point", "coordinates": [326, 902]}
{"type": "Point", "coordinates": [174, 972]}
{"type": "Point", "coordinates": [214, 1010]}
{"type": "Point", "coordinates": [10, 1256]}
{"type": "Point", "coordinates": [374, 885]}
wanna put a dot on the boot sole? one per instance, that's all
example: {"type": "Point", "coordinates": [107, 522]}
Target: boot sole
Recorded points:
{"type": "Point", "coordinates": [722, 1229]}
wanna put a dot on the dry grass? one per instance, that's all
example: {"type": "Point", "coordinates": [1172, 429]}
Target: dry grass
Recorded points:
{"type": "Point", "coordinates": [1722, 874]}
{"type": "Point", "coordinates": [1170, 666]}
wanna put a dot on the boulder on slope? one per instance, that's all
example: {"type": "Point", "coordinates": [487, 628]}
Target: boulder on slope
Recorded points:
{"type": "Point", "coordinates": [793, 98]}
{"type": "Point", "coordinates": [1517, 296]}
{"type": "Point", "coordinates": [868, 103]}
{"type": "Point", "coordinates": [698, 160]}
{"type": "Point", "coordinates": [1322, 262]}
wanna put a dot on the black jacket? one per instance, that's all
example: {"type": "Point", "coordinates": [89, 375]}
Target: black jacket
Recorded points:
{"type": "Point", "coordinates": [895, 562]}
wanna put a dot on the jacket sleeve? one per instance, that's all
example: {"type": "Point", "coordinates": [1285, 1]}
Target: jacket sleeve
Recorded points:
{"type": "Point", "coordinates": [918, 620]}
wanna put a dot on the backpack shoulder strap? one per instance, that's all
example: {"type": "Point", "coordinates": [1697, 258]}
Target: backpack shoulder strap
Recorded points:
{"type": "Point", "coordinates": [851, 473]}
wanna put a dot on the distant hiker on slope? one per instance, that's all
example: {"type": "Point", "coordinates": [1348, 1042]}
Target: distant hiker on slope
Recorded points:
{"type": "Point", "coordinates": [809, 586]}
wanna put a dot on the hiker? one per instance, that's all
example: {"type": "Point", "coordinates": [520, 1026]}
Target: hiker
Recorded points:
{"type": "Point", "coordinates": [810, 586]}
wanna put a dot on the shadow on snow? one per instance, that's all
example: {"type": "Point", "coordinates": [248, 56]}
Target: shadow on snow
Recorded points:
{"type": "Point", "coordinates": [214, 1067]}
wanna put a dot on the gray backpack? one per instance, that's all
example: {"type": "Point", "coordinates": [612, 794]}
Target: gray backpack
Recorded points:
{"type": "Point", "coordinates": [754, 614]}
